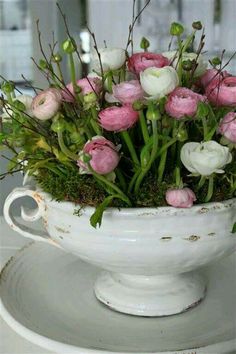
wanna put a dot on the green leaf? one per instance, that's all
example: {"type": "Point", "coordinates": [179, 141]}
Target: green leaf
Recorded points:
{"type": "Point", "coordinates": [234, 228]}
{"type": "Point", "coordinates": [96, 218]}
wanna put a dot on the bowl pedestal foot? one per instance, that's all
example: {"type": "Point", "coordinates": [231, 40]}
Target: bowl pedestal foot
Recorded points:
{"type": "Point", "coordinates": [152, 296]}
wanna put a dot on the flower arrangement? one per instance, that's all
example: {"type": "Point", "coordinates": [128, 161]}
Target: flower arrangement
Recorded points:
{"type": "Point", "coordinates": [141, 129]}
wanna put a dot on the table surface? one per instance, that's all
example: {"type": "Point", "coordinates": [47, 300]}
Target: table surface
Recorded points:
{"type": "Point", "coordinates": [10, 341]}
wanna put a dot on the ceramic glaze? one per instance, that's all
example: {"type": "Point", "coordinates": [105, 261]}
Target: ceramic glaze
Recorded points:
{"type": "Point", "coordinates": [150, 256]}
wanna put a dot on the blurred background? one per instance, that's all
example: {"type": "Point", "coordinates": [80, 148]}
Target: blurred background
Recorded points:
{"type": "Point", "coordinates": [110, 20]}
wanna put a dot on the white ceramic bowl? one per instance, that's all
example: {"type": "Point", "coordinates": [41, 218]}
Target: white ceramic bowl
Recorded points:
{"type": "Point", "coordinates": [149, 256]}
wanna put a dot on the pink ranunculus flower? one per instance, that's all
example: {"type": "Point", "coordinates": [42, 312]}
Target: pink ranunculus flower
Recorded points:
{"type": "Point", "coordinates": [128, 91]}
{"type": "Point", "coordinates": [183, 101]}
{"type": "Point", "coordinates": [210, 75]}
{"type": "Point", "coordinates": [46, 104]}
{"type": "Point", "coordinates": [87, 85]}
{"type": "Point", "coordinates": [140, 61]}
{"type": "Point", "coordinates": [180, 198]}
{"type": "Point", "coordinates": [227, 126]}
{"type": "Point", "coordinates": [104, 156]}
{"type": "Point", "coordinates": [117, 119]}
{"type": "Point", "coordinates": [222, 92]}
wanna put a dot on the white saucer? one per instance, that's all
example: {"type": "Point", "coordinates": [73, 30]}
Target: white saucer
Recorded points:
{"type": "Point", "coordinates": [47, 297]}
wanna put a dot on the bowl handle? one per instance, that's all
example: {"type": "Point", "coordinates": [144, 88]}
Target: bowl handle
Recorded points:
{"type": "Point", "coordinates": [27, 215]}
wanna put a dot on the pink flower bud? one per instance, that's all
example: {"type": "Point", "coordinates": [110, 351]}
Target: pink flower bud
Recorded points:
{"type": "Point", "coordinates": [140, 61]}
{"type": "Point", "coordinates": [183, 101]}
{"type": "Point", "coordinates": [228, 127]}
{"type": "Point", "coordinates": [103, 153]}
{"type": "Point", "coordinates": [87, 85]}
{"type": "Point", "coordinates": [117, 119]}
{"type": "Point", "coordinates": [128, 91]}
{"type": "Point", "coordinates": [46, 104]}
{"type": "Point", "coordinates": [222, 92]}
{"type": "Point", "coordinates": [180, 198]}
{"type": "Point", "coordinates": [210, 75]}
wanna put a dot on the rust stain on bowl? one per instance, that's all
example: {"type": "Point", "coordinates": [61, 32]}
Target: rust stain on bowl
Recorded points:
{"type": "Point", "coordinates": [38, 197]}
{"type": "Point", "coordinates": [203, 210]}
{"type": "Point", "coordinates": [147, 214]}
{"type": "Point", "coordinates": [45, 222]}
{"type": "Point", "coordinates": [60, 229]}
{"type": "Point", "coordinates": [192, 238]}
{"type": "Point", "coordinates": [166, 238]}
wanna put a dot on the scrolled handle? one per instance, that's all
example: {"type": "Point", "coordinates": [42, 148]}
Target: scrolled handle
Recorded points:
{"type": "Point", "coordinates": [27, 215]}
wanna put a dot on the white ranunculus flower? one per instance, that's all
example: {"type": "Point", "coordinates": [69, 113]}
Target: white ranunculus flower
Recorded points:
{"type": "Point", "coordinates": [25, 99]}
{"type": "Point", "coordinates": [205, 158]}
{"type": "Point", "coordinates": [158, 82]}
{"type": "Point", "coordinates": [202, 64]}
{"type": "Point", "coordinates": [111, 58]}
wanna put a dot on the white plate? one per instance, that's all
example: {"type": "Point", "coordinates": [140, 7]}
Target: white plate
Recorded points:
{"type": "Point", "coordinates": [47, 297]}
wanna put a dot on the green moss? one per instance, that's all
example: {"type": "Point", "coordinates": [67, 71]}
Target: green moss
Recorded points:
{"type": "Point", "coordinates": [84, 190]}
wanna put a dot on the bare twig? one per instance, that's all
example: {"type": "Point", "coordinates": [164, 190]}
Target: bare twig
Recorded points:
{"type": "Point", "coordinates": [76, 49]}
{"type": "Point", "coordinates": [134, 20]}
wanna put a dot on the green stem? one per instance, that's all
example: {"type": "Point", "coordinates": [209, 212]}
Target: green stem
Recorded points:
{"type": "Point", "coordinates": [131, 148]}
{"type": "Point", "coordinates": [178, 165]}
{"type": "Point", "coordinates": [179, 70]}
{"type": "Point", "coordinates": [132, 182]}
{"type": "Point", "coordinates": [112, 186]}
{"type": "Point", "coordinates": [109, 82]}
{"type": "Point", "coordinates": [177, 177]}
{"type": "Point", "coordinates": [161, 167]}
{"type": "Point", "coordinates": [72, 72]}
{"type": "Point", "coordinates": [210, 188]}
{"type": "Point", "coordinates": [64, 148]}
{"type": "Point", "coordinates": [152, 157]}
{"type": "Point", "coordinates": [166, 146]}
{"type": "Point", "coordinates": [144, 128]}
{"type": "Point", "coordinates": [9, 97]}
{"type": "Point", "coordinates": [188, 41]}
{"type": "Point", "coordinates": [60, 72]}
{"type": "Point", "coordinates": [201, 182]}
{"type": "Point", "coordinates": [121, 179]}
{"type": "Point", "coordinates": [94, 122]}
{"type": "Point", "coordinates": [205, 128]}
{"type": "Point", "coordinates": [122, 74]}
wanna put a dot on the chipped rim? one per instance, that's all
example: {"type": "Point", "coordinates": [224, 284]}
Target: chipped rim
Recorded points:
{"type": "Point", "coordinates": [62, 348]}
{"type": "Point", "coordinates": [142, 211]}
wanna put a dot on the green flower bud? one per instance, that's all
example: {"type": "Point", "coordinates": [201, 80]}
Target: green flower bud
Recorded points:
{"type": "Point", "coordinates": [43, 64]}
{"type": "Point", "coordinates": [57, 58]}
{"type": "Point", "coordinates": [180, 134]}
{"type": "Point", "coordinates": [58, 126]}
{"type": "Point", "coordinates": [187, 65]}
{"type": "Point", "coordinates": [8, 87]}
{"type": "Point", "coordinates": [153, 113]}
{"type": "Point", "coordinates": [90, 98]}
{"type": "Point", "coordinates": [138, 105]}
{"type": "Point", "coordinates": [144, 44]}
{"type": "Point", "coordinates": [197, 25]}
{"type": "Point", "coordinates": [176, 29]}
{"type": "Point", "coordinates": [216, 61]}
{"type": "Point", "coordinates": [69, 46]}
